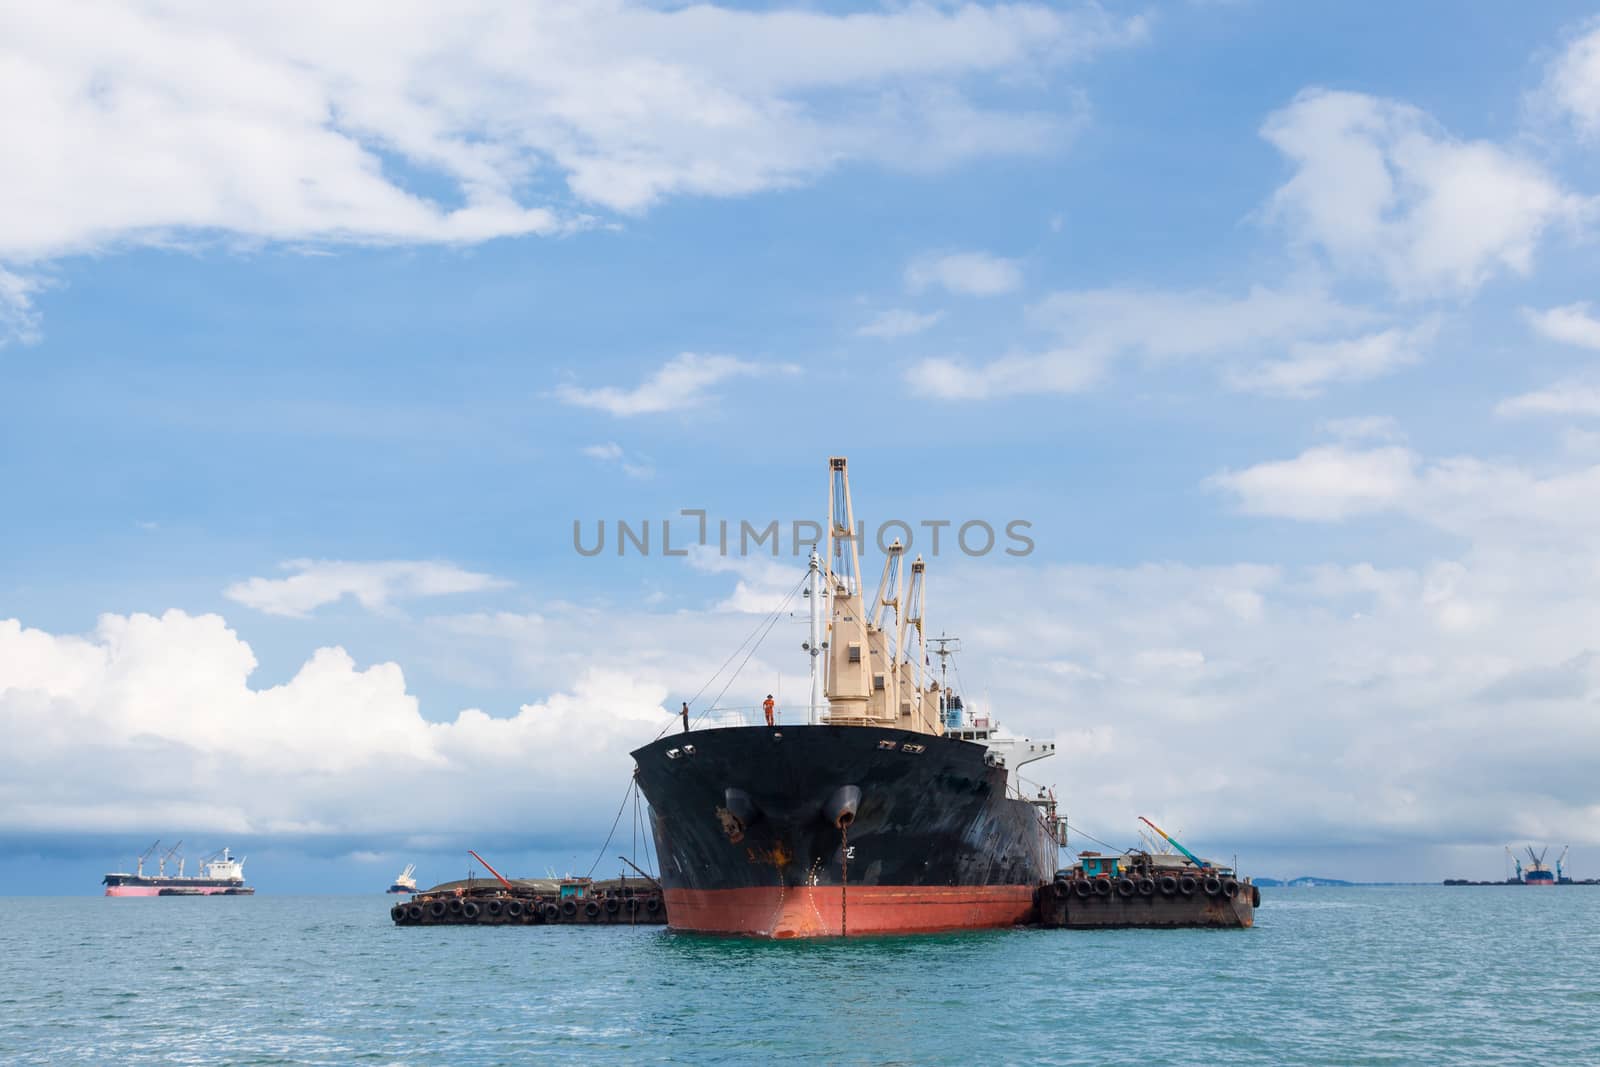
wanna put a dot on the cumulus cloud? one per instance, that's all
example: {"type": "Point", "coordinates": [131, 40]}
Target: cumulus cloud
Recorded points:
{"type": "Point", "coordinates": [1098, 327]}
{"type": "Point", "coordinates": [1572, 84]}
{"type": "Point", "coordinates": [1449, 702]}
{"type": "Point", "coordinates": [163, 706]}
{"type": "Point", "coordinates": [685, 381]}
{"type": "Point", "coordinates": [964, 273]}
{"type": "Point", "coordinates": [1382, 190]}
{"type": "Point", "coordinates": [1311, 366]}
{"type": "Point", "coordinates": [374, 585]}
{"type": "Point", "coordinates": [899, 322]}
{"type": "Point", "coordinates": [299, 120]}
{"type": "Point", "coordinates": [1564, 398]}
{"type": "Point", "coordinates": [1521, 509]}
{"type": "Point", "coordinates": [1572, 324]}
{"type": "Point", "coordinates": [1325, 483]}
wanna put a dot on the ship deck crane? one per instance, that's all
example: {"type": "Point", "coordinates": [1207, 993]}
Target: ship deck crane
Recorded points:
{"type": "Point", "coordinates": [1560, 860]}
{"type": "Point", "coordinates": [1190, 856]}
{"type": "Point", "coordinates": [139, 864]}
{"type": "Point", "coordinates": [162, 864]}
{"type": "Point", "coordinates": [1516, 860]}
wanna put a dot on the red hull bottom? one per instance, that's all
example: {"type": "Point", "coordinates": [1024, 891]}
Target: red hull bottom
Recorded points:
{"type": "Point", "coordinates": [822, 911]}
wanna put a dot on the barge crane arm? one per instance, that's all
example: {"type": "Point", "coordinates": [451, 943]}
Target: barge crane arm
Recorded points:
{"type": "Point", "coordinates": [490, 869]}
{"type": "Point", "coordinates": [1190, 856]}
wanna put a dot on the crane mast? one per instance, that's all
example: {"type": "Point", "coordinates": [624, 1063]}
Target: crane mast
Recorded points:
{"type": "Point", "coordinates": [849, 684]}
{"type": "Point", "coordinates": [870, 678]}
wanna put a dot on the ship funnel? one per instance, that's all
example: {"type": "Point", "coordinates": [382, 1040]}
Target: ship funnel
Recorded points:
{"type": "Point", "coordinates": [841, 807]}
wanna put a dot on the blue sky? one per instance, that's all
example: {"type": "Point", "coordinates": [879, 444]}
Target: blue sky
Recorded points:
{"type": "Point", "coordinates": [1274, 322]}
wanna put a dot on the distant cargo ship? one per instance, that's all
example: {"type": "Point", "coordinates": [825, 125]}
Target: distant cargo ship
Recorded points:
{"type": "Point", "coordinates": [220, 875]}
{"type": "Point", "coordinates": [405, 881]}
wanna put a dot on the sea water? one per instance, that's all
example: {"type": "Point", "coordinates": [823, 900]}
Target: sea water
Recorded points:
{"type": "Point", "coordinates": [1418, 975]}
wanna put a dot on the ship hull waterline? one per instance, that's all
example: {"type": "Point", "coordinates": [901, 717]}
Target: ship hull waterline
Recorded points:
{"type": "Point", "coordinates": [823, 831]}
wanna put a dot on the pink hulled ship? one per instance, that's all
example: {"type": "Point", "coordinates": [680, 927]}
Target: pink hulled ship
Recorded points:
{"type": "Point", "coordinates": [220, 875]}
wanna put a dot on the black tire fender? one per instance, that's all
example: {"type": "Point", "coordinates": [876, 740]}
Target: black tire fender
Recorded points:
{"type": "Point", "coordinates": [1125, 887]}
{"type": "Point", "coordinates": [1213, 885]}
{"type": "Point", "coordinates": [1082, 887]}
{"type": "Point", "coordinates": [1186, 885]}
{"type": "Point", "coordinates": [1169, 884]}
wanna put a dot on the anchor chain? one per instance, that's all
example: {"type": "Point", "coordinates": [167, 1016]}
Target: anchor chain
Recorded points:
{"type": "Point", "coordinates": [844, 880]}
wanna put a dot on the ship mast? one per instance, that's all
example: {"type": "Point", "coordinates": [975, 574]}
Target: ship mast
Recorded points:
{"type": "Point", "coordinates": [814, 644]}
{"type": "Point", "coordinates": [945, 646]}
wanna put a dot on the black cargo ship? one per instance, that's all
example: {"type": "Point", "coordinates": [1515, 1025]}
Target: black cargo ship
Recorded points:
{"type": "Point", "coordinates": [887, 810]}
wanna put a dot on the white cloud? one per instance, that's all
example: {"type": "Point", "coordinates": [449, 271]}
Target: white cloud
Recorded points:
{"type": "Point", "coordinates": [1464, 685]}
{"type": "Point", "coordinates": [19, 319]}
{"type": "Point", "coordinates": [374, 585]}
{"type": "Point", "coordinates": [1100, 326]}
{"type": "Point", "coordinates": [1313, 365]}
{"type": "Point", "coordinates": [1571, 324]}
{"type": "Point", "coordinates": [1382, 190]}
{"type": "Point", "coordinates": [1324, 483]}
{"type": "Point", "coordinates": [300, 120]}
{"type": "Point", "coordinates": [899, 322]}
{"type": "Point", "coordinates": [1362, 428]}
{"type": "Point", "coordinates": [612, 453]}
{"type": "Point", "coordinates": [684, 381]}
{"type": "Point", "coordinates": [1572, 84]}
{"type": "Point", "coordinates": [965, 273]}
{"type": "Point", "coordinates": [163, 706]}
{"type": "Point", "coordinates": [1563, 398]}
{"type": "Point", "coordinates": [1519, 509]}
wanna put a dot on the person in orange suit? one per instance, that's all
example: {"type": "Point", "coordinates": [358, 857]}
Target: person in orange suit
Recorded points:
{"type": "Point", "coordinates": [768, 706]}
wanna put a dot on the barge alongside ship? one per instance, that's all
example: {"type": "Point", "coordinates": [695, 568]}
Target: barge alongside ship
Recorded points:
{"type": "Point", "coordinates": [888, 811]}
